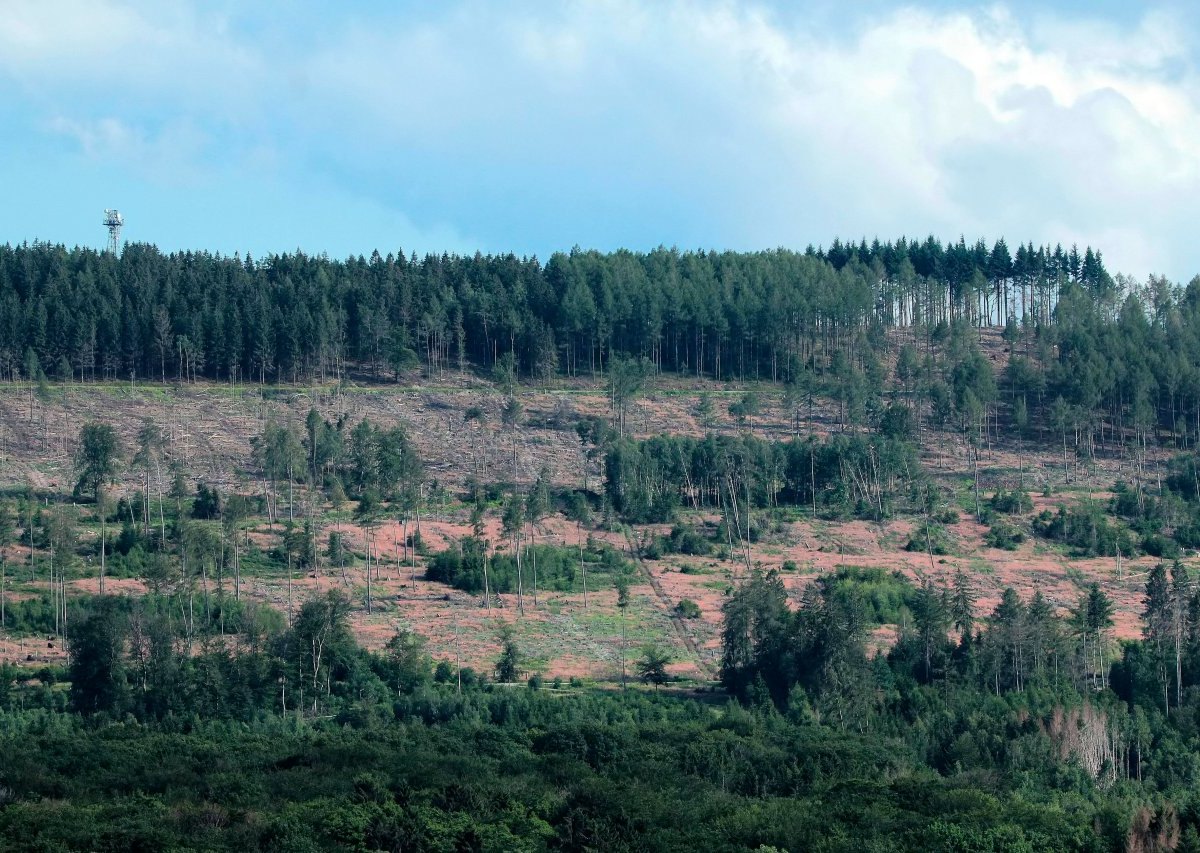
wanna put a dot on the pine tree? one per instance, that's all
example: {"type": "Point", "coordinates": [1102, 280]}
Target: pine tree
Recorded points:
{"type": "Point", "coordinates": [932, 619]}
{"type": "Point", "coordinates": [1157, 630]}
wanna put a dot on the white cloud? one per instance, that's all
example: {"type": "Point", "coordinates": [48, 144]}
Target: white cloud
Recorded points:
{"type": "Point", "coordinates": [130, 54]}
{"type": "Point", "coordinates": [920, 121]}
{"type": "Point", "coordinates": [174, 156]}
{"type": "Point", "coordinates": [649, 122]}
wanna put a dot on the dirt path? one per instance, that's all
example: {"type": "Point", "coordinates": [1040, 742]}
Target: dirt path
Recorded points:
{"type": "Point", "coordinates": [685, 636]}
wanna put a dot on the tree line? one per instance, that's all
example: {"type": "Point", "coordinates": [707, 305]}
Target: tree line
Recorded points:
{"type": "Point", "coordinates": [845, 475]}
{"type": "Point", "coordinates": [183, 316]}
{"type": "Point", "coordinates": [1095, 358]}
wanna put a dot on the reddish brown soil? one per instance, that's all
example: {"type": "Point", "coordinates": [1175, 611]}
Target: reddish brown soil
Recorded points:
{"type": "Point", "coordinates": [209, 427]}
{"type": "Point", "coordinates": [31, 651]}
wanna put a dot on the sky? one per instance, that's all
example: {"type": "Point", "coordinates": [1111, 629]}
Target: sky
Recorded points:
{"type": "Point", "coordinates": [532, 127]}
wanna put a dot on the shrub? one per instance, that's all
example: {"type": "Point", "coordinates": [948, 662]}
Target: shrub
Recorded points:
{"type": "Point", "coordinates": [688, 540]}
{"type": "Point", "coordinates": [884, 595]}
{"type": "Point", "coordinates": [1086, 528]}
{"type": "Point", "coordinates": [929, 536]}
{"type": "Point", "coordinates": [898, 422]}
{"type": "Point", "coordinates": [655, 548]}
{"type": "Point", "coordinates": [1157, 545]}
{"type": "Point", "coordinates": [462, 567]}
{"type": "Point", "coordinates": [688, 609]}
{"type": "Point", "coordinates": [1004, 535]}
{"type": "Point", "coordinates": [577, 508]}
{"type": "Point", "coordinates": [207, 504]}
{"type": "Point", "coordinates": [1010, 503]}
{"type": "Point", "coordinates": [682, 540]}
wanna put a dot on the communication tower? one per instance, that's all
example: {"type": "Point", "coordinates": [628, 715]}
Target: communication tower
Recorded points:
{"type": "Point", "coordinates": [113, 220]}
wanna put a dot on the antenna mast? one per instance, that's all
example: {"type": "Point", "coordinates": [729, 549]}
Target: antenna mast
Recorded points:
{"type": "Point", "coordinates": [113, 220]}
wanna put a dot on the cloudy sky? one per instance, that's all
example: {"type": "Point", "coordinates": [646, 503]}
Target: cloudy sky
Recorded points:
{"type": "Point", "coordinates": [535, 126]}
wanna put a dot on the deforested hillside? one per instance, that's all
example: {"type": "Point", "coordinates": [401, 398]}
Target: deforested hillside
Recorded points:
{"type": "Point", "coordinates": [933, 502]}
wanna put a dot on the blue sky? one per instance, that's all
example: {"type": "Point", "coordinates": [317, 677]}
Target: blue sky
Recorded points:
{"type": "Point", "coordinates": [535, 126]}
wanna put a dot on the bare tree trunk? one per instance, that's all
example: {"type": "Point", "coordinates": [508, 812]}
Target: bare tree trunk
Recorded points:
{"type": "Point", "coordinates": [487, 591]}
{"type": "Point", "coordinates": [533, 557]}
{"type": "Point", "coordinates": [288, 545]}
{"type": "Point", "coordinates": [162, 519]}
{"type": "Point", "coordinates": [53, 587]}
{"type": "Point", "coordinates": [103, 537]}
{"type": "Point", "coordinates": [520, 580]}
{"type": "Point", "coordinates": [622, 648]}
{"type": "Point", "coordinates": [237, 568]}
{"type": "Point", "coordinates": [412, 577]}
{"type": "Point", "coordinates": [368, 538]}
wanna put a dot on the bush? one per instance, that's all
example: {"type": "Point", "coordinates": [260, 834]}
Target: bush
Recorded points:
{"type": "Point", "coordinates": [688, 609]}
{"type": "Point", "coordinates": [884, 595]}
{"type": "Point", "coordinates": [508, 665]}
{"type": "Point", "coordinates": [417, 543]}
{"type": "Point", "coordinates": [557, 567]}
{"type": "Point", "coordinates": [1004, 535]}
{"type": "Point", "coordinates": [898, 422]}
{"type": "Point", "coordinates": [577, 508]}
{"type": "Point", "coordinates": [207, 504]}
{"type": "Point", "coordinates": [655, 548]}
{"type": "Point", "coordinates": [1125, 501]}
{"type": "Point", "coordinates": [682, 540]}
{"type": "Point", "coordinates": [1086, 528]}
{"type": "Point", "coordinates": [929, 536]}
{"type": "Point", "coordinates": [1188, 535]}
{"type": "Point", "coordinates": [1010, 503]}
{"type": "Point", "coordinates": [688, 540]}
{"type": "Point", "coordinates": [1157, 545]}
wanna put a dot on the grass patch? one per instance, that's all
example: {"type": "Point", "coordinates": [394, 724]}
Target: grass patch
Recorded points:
{"type": "Point", "coordinates": [642, 625]}
{"type": "Point", "coordinates": [981, 566]}
{"type": "Point", "coordinates": [1077, 577]}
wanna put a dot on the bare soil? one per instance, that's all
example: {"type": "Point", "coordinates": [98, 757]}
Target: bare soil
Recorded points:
{"type": "Point", "coordinates": [209, 429]}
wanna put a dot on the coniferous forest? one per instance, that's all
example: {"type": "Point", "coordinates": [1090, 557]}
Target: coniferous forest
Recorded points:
{"type": "Point", "coordinates": [331, 640]}
{"type": "Point", "coordinates": [1110, 349]}
{"type": "Point", "coordinates": [290, 318]}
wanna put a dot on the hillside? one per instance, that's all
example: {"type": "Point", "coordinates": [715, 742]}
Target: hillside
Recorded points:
{"type": "Point", "coordinates": [938, 578]}
{"type": "Point", "coordinates": [209, 430]}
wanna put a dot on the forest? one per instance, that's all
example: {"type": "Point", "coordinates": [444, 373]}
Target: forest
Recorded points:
{"type": "Point", "coordinates": [882, 546]}
{"type": "Point", "coordinates": [291, 317]}
{"type": "Point", "coordinates": [1003, 733]}
{"type": "Point", "coordinates": [1098, 352]}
